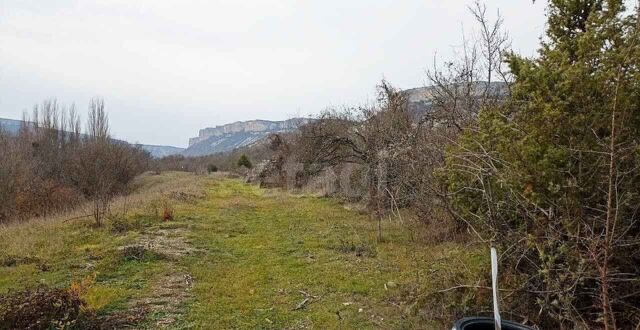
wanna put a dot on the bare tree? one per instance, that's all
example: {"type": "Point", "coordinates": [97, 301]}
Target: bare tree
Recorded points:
{"type": "Point", "coordinates": [50, 166]}
{"type": "Point", "coordinates": [98, 121]}
{"type": "Point", "coordinates": [372, 137]}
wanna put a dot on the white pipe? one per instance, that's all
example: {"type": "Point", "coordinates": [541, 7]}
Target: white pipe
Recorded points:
{"type": "Point", "coordinates": [494, 282]}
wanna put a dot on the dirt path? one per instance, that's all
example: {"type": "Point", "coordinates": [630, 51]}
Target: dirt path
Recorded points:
{"type": "Point", "coordinates": [164, 306]}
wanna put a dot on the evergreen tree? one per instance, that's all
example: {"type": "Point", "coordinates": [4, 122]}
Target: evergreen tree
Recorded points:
{"type": "Point", "coordinates": [552, 175]}
{"type": "Point", "coordinates": [244, 161]}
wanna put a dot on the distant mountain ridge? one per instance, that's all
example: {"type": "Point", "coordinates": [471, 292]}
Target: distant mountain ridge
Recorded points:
{"type": "Point", "coordinates": [224, 138]}
{"type": "Point", "coordinates": [420, 99]}
{"type": "Point", "coordinates": [12, 126]}
{"type": "Point", "coordinates": [161, 151]}
{"type": "Point", "coordinates": [227, 137]}
{"type": "Point", "coordinates": [210, 140]}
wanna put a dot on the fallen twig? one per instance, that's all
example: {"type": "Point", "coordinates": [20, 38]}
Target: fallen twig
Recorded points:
{"type": "Point", "coordinates": [78, 217]}
{"type": "Point", "coordinates": [307, 295]}
{"type": "Point", "coordinates": [302, 304]}
{"type": "Point", "coordinates": [308, 298]}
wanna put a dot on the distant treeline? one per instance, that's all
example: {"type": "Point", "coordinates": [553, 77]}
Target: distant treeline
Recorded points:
{"type": "Point", "coordinates": [51, 165]}
{"type": "Point", "coordinates": [224, 161]}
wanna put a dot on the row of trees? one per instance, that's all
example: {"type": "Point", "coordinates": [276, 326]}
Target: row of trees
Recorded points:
{"type": "Point", "coordinates": [227, 161]}
{"type": "Point", "coordinates": [538, 156]}
{"type": "Point", "coordinates": [51, 166]}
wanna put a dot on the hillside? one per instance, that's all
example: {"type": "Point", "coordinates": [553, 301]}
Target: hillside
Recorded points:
{"type": "Point", "coordinates": [161, 151]}
{"type": "Point", "coordinates": [11, 126]}
{"type": "Point", "coordinates": [420, 99]}
{"type": "Point", "coordinates": [237, 256]}
{"type": "Point", "coordinates": [227, 137]}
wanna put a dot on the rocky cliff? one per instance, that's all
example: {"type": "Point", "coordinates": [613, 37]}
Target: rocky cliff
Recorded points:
{"type": "Point", "coordinates": [420, 100]}
{"type": "Point", "coordinates": [239, 134]}
{"type": "Point", "coordinates": [251, 126]}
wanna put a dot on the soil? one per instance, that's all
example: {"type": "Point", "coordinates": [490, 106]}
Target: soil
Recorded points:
{"type": "Point", "coordinates": [163, 307]}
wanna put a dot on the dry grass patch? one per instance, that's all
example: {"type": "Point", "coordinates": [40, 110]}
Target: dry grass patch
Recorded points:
{"type": "Point", "coordinates": [72, 249]}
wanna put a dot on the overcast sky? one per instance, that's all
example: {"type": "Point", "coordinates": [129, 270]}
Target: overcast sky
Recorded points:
{"type": "Point", "coordinates": [168, 68]}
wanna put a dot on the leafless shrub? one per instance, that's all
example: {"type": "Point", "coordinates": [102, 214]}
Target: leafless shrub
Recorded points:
{"type": "Point", "coordinates": [50, 166]}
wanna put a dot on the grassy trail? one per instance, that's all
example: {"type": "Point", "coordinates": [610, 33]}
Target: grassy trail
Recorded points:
{"type": "Point", "coordinates": [275, 260]}
{"type": "Point", "coordinates": [240, 257]}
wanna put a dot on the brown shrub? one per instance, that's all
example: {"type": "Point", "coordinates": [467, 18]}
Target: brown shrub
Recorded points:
{"type": "Point", "coordinates": [162, 206]}
{"type": "Point", "coordinates": [40, 308]}
{"type": "Point", "coordinates": [49, 166]}
{"type": "Point", "coordinates": [167, 214]}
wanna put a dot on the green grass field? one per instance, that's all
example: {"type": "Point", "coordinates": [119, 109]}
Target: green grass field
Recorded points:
{"type": "Point", "coordinates": [237, 256]}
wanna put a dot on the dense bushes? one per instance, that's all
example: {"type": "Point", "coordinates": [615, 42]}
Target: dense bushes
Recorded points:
{"type": "Point", "coordinates": [552, 176]}
{"type": "Point", "coordinates": [372, 137]}
{"type": "Point", "coordinates": [50, 166]}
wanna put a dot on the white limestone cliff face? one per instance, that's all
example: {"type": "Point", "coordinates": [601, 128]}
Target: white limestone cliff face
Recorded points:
{"type": "Point", "coordinates": [251, 126]}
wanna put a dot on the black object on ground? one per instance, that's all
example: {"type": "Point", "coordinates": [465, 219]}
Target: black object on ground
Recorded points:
{"type": "Point", "coordinates": [486, 323]}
